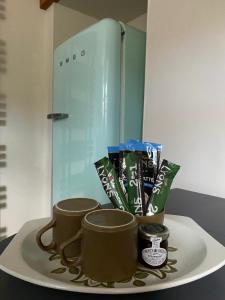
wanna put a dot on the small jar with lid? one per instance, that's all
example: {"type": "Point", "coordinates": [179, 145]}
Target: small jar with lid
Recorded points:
{"type": "Point", "coordinates": [153, 245]}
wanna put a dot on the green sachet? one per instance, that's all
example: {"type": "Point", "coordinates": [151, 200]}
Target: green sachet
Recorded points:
{"type": "Point", "coordinates": [111, 184]}
{"type": "Point", "coordinates": [134, 174]}
{"type": "Point", "coordinates": [162, 186]}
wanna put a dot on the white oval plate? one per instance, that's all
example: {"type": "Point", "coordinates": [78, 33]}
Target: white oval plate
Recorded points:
{"type": "Point", "coordinates": [191, 256]}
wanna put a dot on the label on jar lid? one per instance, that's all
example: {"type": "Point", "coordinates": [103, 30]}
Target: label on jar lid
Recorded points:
{"type": "Point", "coordinates": [154, 256]}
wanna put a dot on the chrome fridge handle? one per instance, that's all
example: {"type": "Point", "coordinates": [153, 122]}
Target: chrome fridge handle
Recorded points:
{"type": "Point", "coordinates": [57, 116]}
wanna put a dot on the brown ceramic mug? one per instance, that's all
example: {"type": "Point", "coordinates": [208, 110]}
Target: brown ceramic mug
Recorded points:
{"type": "Point", "coordinates": [108, 247]}
{"type": "Point", "coordinates": [66, 222]}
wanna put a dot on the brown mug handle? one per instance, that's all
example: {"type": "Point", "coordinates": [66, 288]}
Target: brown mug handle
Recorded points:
{"type": "Point", "coordinates": [52, 245]}
{"type": "Point", "coordinates": [70, 262]}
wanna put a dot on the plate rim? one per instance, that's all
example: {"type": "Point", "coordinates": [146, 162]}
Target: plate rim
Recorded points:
{"type": "Point", "coordinates": [57, 284]}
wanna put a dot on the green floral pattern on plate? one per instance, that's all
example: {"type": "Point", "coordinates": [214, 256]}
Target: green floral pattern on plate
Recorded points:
{"type": "Point", "coordinates": [137, 280]}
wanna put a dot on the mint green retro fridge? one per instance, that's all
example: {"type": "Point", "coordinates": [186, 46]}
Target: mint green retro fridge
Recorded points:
{"type": "Point", "coordinates": [97, 102]}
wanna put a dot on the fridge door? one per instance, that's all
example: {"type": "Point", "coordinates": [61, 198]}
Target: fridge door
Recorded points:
{"type": "Point", "coordinates": [133, 77]}
{"type": "Point", "coordinates": [87, 88]}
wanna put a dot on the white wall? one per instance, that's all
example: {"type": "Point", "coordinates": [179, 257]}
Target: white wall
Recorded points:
{"type": "Point", "coordinates": [140, 22]}
{"type": "Point", "coordinates": [68, 22]}
{"type": "Point", "coordinates": [185, 90]}
{"type": "Point", "coordinates": [28, 32]}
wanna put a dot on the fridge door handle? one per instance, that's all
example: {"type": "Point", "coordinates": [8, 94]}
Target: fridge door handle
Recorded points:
{"type": "Point", "coordinates": [57, 116]}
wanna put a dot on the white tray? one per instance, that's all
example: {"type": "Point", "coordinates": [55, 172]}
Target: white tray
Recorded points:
{"type": "Point", "coordinates": [193, 254]}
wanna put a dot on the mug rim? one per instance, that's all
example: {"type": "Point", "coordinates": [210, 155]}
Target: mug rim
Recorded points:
{"type": "Point", "coordinates": [112, 228]}
{"type": "Point", "coordinates": [77, 212]}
